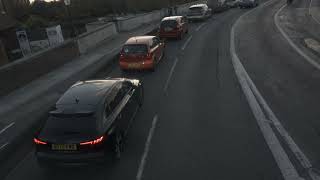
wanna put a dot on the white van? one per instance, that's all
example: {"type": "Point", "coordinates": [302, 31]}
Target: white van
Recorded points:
{"type": "Point", "coordinates": [199, 12]}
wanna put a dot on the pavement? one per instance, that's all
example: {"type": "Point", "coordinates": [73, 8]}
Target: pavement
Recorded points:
{"type": "Point", "coordinates": [232, 100]}
{"type": "Point", "coordinates": [314, 10]}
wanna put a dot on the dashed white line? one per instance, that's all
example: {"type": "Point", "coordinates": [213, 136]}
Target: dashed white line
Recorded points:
{"type": "Point", "coordinates": [285, 165]}
{"type": "Point", "coordinates": [170, 74]}
{"type": "Point", "coordinates": [7, 127]}
{"type": "Point", "coordinates": [3, 146]}
{"type": "Point", "coordinates": [294, 46]}
{"type": "Point", "coordinates": [147, 148]}
{"type": "Point", "coordinates": [186, 43]}
{"type": "Point", "coordinates": [199, 27]}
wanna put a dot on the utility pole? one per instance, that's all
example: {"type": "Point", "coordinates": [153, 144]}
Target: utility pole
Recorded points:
{"type": "Point", "coordinates": [4, 9]}
{"type": "Point", "coordinates": [68, 3]}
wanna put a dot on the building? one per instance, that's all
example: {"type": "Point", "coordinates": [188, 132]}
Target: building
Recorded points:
{"type": "Point", "coordinates": [14, 8]}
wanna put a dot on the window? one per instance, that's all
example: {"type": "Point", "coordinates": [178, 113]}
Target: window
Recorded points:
{"type": "Point", "coordinates": [135, 49]}
{"type": "Point", "coordinates": [119, 95]}
{"type": "Point", "coordinates": [77, 124]}
{"type": "Point", "coordinates": [107, 111]}
{"type": "Point", "coordinates": [155, 42]}
{"type": "Point", "coordinates": [169, 23]}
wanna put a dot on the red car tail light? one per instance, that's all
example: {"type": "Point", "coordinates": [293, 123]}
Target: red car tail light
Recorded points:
{"type": "Point", "coordinates": [149, 56]}
{"type": "Point", "coordinates": [93, 142]}
{"type": "Point", "coordinates": [39, 142]}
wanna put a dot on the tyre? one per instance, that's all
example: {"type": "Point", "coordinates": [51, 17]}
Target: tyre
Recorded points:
{"type": "Point", "coordinates": [180, 37]}
{"type": "Point", "coordinates": [152, 69]}
{"type": "Point", "coordinates": [118, 144]}
{"type": "Point", "coordinates": [141, 98]}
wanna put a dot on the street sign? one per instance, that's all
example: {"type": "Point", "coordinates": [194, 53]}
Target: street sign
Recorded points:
{"type": "Point", "coordinates": [24, 42]}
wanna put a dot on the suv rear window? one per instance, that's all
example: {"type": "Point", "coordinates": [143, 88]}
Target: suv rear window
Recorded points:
{"type": "Point", "coordinates": [169, 23]}
{"type": "Point", "coordinates": [195, 10]}
{"type": "Point", "coordinates": [135, 49]}
{"type": "Point", "coordinates": [77, 124]}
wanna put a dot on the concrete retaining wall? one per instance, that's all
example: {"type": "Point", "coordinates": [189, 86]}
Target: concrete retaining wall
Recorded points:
{"type": "Point", "coordinates": [130, 23]}
{"type": "Point", "coordinates": [23, 71]}
{"type": "Point", "coordinates": [91, 39]}
{"type": "Point", "coordinates": [27, 69]}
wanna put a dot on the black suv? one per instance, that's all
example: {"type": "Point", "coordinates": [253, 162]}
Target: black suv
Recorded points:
{"type": "Point", "coordinates": [89, 122]}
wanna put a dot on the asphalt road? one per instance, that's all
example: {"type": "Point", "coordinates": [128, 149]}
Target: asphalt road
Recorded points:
{"type": "Point", "coordinates": [196, 122]}
{"type": "Point", "coordinates": [285, 79]}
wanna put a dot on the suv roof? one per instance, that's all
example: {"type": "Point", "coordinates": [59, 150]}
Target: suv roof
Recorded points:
{"type": "Point", "coordinates": [171, 18]}
{"type": "Point", "coordinates": [86, 93]}
{"type": "Point", "coordinates": [140, 40]}
{"type": "Point", "coordinates": [198, 5]}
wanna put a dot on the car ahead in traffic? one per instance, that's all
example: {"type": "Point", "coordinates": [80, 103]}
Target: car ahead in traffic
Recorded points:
{"type": "Point", "coordinates": [232, 3]}
{"type": "Point", "coordinates": [199, 12]}
{"type": "Point", "coordinates": [248, 3]}
{"type": "Point", "coordinates": [141, 53]}
{"type": "Point", "coordinates": [173, 27]}
{"type": "Point", "coordinates": [89, 122]}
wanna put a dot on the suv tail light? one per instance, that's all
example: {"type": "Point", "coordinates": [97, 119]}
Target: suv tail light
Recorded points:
{"type": "Point", "coordinates": [148, 56]}
{"type": "Point", "coordinates": [39, 142]}
{"type": "Point", "coordinates": [93, 142]}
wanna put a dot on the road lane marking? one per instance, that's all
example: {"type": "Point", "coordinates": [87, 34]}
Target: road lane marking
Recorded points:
{"type": "Point", "coordinates": [7, 127]}
{"type": "Point", "coordinates": [316, 20]}
{"type": "Point", "coordinates": [285, 165]}
{"type": "Point", "coordinates": [199, 27]}
{"type": "Point", "coordinates": [3, 146]}
{"type": "Point", "coordinates": [294, 46]}
{"type": "Point", "coordinates": [147, 148]}
{"type": "Point", "coordinates": [176, 60]}
{"type": "Point", "coordinates": [186, 43]}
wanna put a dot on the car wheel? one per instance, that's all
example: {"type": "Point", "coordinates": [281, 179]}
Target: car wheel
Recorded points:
{"type": "Point", "coordinates": [118, 144]}
{"type": "Point", "coordinates": [153, 66]}
{"type": "Point", "coordinates": [180, 37]}
{"type": "Point", "coordinates": [163, 54]}
{"type": "Point", "coordinates": [141, 98]}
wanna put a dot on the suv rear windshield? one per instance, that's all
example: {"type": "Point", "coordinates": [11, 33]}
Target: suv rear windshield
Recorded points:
{"type": "Point", "coordinates": [135, 49]}
{"type": "Point", "coordinates": [77, 124]}
{"type": "Point", "coordinates": [195, 10]}
{"type": "Point", "coordinates": [169, 23]}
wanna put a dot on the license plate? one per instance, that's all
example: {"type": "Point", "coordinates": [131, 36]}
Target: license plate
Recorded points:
{"type": "Point", "coordinates": [168, 29]}
{"type": "Point", "coordinates": [64, 147]}
{"type": "Point", "coordinates": [134, 65]}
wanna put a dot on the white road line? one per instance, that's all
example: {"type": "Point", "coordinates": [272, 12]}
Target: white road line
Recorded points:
{"type": "Point", "coordinates": [199, 27]}
{"type": "Point", "coordinates": [3, 146]}
{"type": "Point", "coordinates": [186, 43]}
{"type": "Point", "coordinates": [147, 148]}
{"type": "Point", "coordinates": [316, 20]}
{"type": "Point", "coordinates": [7, 127]}
{"type": "Point", "coordinates": [176, 60]}
{"type": "Point", "coordinates": [294, 46]}
{"type": "Point", "coordinates": [285, 165]}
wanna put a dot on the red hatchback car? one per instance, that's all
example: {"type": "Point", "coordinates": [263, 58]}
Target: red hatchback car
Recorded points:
{"type": "Point", "coordinates": [141, 53]}
{"type": "Point", "coordinates": [173, 27]}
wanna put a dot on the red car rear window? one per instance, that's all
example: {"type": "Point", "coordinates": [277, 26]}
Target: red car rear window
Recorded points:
{"type": "Point", "coordinates": [135, 49]}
